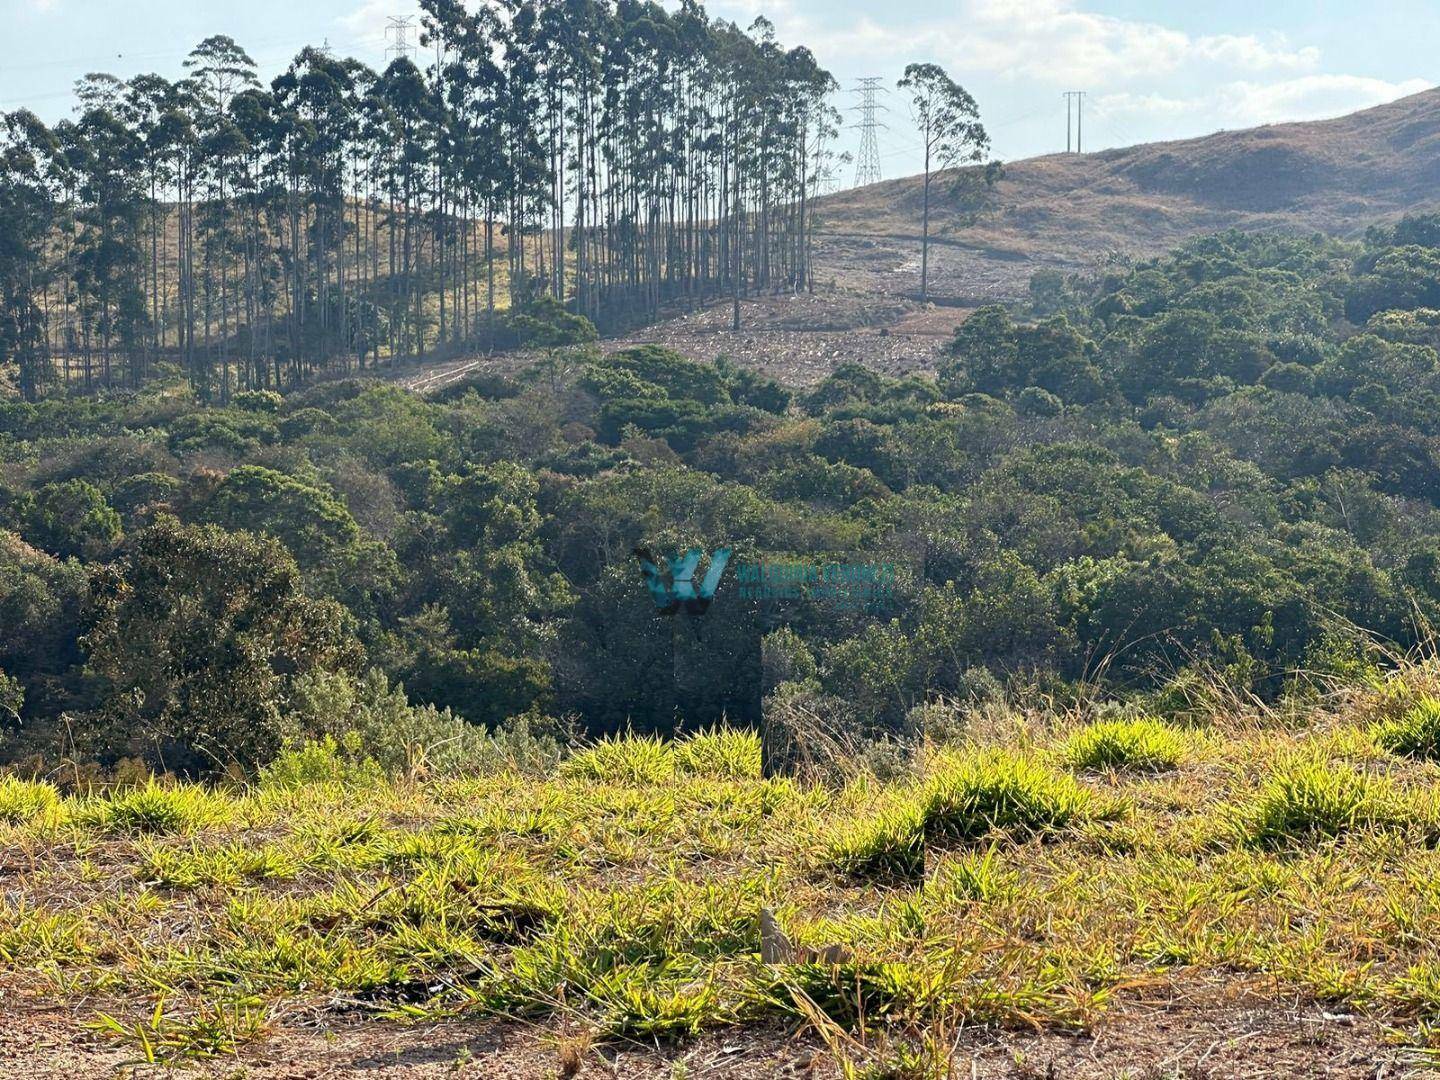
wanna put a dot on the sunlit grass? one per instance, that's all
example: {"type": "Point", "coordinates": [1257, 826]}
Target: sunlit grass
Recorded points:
{"type": "Point", "coordinates": [26, 800]}
{"type": "Point", "coordinates": [156, 808]}
{"type": "Point", "coordinates": [1309, 798]}
{"type": "Point", "coordinates": [1415, 733]}
{"type": "Point", "coordinates": [1142, 745]}
{"type": "Point", "coordinates": [970, 797]}
{"type": "Point", "coordinates": [1020, 881]}
{"type": "Point", "coordinates": [623, 759]}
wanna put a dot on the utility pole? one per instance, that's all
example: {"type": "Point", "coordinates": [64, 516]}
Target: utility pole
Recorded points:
{"type": "Point", "coordinates": [397, 32]}
{"type": "Point", "coordinates": [1075, 99]}
{"type": "Point", "coordinates": [867, 164]}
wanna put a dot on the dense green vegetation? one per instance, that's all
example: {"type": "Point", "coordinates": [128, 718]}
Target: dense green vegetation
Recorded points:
{"type": "Point", "coordinates": [1212, 470]}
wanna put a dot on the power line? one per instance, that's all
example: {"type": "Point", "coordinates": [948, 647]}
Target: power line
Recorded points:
{"type": "Point", "coordinates": [397, 32]}
{"type": "Point", "coordinates": [1075, 98]}
{"type": "Point", "coordinates": [867, 162]}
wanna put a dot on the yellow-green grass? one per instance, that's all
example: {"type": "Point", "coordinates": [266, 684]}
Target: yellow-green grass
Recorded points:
{"type": "Point", "coordinates": [625, 889]}
{"type": "Point", "coordinates": [1140, 745]}
{"type": "Point", "coordinates": [1415, 732]}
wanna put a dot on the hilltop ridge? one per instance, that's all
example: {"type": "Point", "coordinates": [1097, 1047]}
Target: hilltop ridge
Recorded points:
{"type": "Point", "coordinates": [1076, 211]}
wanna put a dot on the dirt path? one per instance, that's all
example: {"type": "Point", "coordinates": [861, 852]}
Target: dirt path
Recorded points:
{"type": "Point", "coordinates": [1208, 1033]}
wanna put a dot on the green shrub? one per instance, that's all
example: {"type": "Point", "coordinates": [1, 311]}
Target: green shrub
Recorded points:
{"type": "Point", "coordinates": [1416, 733]}
{"type": "Point", "coordinates": [308, 421]}
{"type": "Point", "coordinates": [541, 323]}
{"type": "Point", "coordinates": [72, 518]}
{"type": "Point", "coordinates": [328, 760]}
{"type": "Point", "coordinates": [263, 401]}
{"type": "Point", "coordinates": [1142, 745]}
{"type": "Point", "coordinates": [1038, 402]}
{"type": "Point", "coordinates": [401, 737]}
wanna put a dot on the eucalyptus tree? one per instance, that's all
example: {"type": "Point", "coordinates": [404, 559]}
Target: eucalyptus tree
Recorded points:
{"type": "Point", "coordinates": [319, 96]}
{"type": "Point", "coordinates": [407, 118]}
{"type": "Point", "coordinates": [219, 70]}
{"type": "Point", "coordinates": [28, 200]}
{"type": "Point", "coordinates": [611, 156]}
{"type": "Point", "coordinates": [951, 134]}
{"type": "Point", "coordinates": [253, 113]}
{"type": "Point", "coordinates": [154, 110]}
{"type": "Point", "coordinates": [474, 99]}
{"type": "Point", "coordinates": [104, 158]}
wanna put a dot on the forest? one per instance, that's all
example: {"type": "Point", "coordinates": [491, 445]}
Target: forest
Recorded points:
{"type": "Point", "coordinates": [1211, 472]}
{"type": "Point", "coordinates": [612, 158]}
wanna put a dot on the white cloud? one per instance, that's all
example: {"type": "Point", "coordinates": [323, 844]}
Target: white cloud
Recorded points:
{"type": "Point", "coordinates": [1243, 103]}
{"type": "Point", "coordinates": [370, 17]}
{"type": "Point", "coordinates": [1051, 40]}
{"type": "Point", "coordinates": [1252, 54]}
{"type": "Point", "coordinates": [1310, 97]}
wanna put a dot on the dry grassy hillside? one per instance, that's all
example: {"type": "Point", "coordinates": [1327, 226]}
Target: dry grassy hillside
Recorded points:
{"type": "Point", "coordinates": [1337, 176]}
{"type": "Point", "coordinates": [1070, 212]}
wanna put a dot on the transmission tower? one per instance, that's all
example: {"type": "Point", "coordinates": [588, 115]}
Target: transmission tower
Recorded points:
{"type": "Point", "coordinates": [397, 32]}
{"type": "Point", "coordinates": [1075, 103]}
{"type": "Point", "coordinates": [867, 162]}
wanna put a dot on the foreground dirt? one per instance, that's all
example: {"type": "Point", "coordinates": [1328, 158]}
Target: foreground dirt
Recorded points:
{"type": "Point", "coordinates": [1205, 1032]}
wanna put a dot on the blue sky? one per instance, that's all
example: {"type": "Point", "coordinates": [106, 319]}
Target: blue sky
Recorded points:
{"type": "Point", "coordinates": [1153, 69]}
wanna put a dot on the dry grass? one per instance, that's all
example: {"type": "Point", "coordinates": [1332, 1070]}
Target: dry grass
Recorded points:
{"type": "Point", "coordinates": [1076, 211]}
{"type": "Point", "coordinates": [621, 896]}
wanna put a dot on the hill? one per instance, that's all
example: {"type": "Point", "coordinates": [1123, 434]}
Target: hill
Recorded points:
{"type": "Point", "coordinates": [1079, 211]}
{"type": "Point", "coordinates": [1072, 213]}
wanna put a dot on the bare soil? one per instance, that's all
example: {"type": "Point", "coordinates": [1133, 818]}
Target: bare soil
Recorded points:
{"type": "Point", "coordinates": [797, 340]}
{"type": "Point", "coordinates": [1202, 1031]}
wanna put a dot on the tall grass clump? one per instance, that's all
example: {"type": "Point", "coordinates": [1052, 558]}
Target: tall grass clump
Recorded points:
{"type": "Point", "coordinates": [25, 800]}
{"type": "Point", "coordinates": [974, 876]}
{"type": "Point", "coordinates": [622, 759]}
{"type": "Point", "coordinates": [889, 846]}
{"type": "Point", "coordinates": [971, 797]}
{"type": "Point", "coordinates": [1310, 798]}
{"type": "Point", "coordinates": [1415, 733]}
{"type": "Point", "coordinates": [726, 753]}
{"type": "Point", "coordinates": [1141, 745]}
{"type": "Point", "coordinates": [155, 808]}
